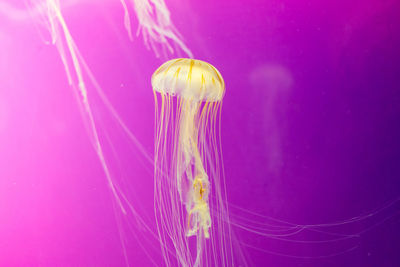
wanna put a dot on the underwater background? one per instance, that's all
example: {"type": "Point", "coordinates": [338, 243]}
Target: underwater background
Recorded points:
{"type": "Point", "coordinates": [310, 131]}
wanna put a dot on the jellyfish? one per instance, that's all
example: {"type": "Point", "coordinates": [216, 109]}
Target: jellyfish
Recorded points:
{"type": "Point", "coordinates": [190, 195]}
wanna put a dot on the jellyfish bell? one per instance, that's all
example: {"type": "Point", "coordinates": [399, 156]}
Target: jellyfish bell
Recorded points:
{"type": "Point", "coordinates": [190, 79]}
{"type": "Point", "coordinates": [188, 174]}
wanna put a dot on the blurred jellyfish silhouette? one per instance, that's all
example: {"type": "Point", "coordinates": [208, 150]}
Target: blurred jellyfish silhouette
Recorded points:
{"type": "Point", "coordinates": [189, 178]}
{"type": "Point", "coordinates": [159, 34]}
{"type": "Point", "coordinates": [272, 84]}
{"type": "Point", "coordinates": [155, 25]}
{"type": "Point", "coordinates": [154, 21]}
{"type": "Point", "coordinates": [158, 31]}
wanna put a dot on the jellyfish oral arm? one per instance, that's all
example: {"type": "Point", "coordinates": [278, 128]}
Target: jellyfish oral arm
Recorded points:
{"type": "Point", "coordinates": [197, 194]}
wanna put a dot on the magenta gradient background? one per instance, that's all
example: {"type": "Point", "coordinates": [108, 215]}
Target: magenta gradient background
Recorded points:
{"type": "Point", "coordinates": [310, 128]}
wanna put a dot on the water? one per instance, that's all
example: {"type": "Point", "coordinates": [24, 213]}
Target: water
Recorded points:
{"type": "Point", "coordinates": [309, 130]}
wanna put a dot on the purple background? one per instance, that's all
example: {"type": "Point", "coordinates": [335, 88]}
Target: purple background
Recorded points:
{"type": "Point", "coordinates": [310, 129]}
